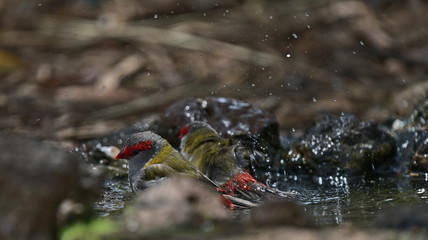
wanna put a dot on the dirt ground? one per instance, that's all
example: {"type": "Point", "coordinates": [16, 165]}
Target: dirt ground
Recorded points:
{"type": "Point", "coordinates": [74, 70]}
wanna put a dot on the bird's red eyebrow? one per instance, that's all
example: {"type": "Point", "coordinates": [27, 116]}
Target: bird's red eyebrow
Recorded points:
{"type": "Point", "coordinates": [128, 152]}
{"type": "Point", "coordinates": [184, 131]}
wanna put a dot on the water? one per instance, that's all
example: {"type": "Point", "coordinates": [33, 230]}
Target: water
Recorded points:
{"type": "Point", "coordinates": [332, 201]}
{"type": "Point", "coordinates": [359, 201]}
{"type": "Point", "coordinates": [115, 195]}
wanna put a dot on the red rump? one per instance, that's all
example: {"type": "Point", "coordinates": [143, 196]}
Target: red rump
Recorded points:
{"type": "Point", "coordinates": [183, 132]}
{"type": "Point", "coordinates": [128, 152]}
{"type": "Point", "coordinates": [241, 181]}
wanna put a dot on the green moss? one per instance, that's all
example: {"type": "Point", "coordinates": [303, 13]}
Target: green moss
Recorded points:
{"type": "Point", "coordinates": [100, 228]}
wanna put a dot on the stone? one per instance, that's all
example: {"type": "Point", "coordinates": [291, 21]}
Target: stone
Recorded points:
{"type": "Point", "coordinates": [342, 145]}
{"type": "Point", "coordinates": [420, 159]}
{"type": "Point", "coordinates": [177, 201]}
{"type": "Point", "coordinates": [228, 116]}
{"type": "Point", "coordinates": [35, 179]}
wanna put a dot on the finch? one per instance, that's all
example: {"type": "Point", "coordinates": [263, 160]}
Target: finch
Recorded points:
{"type": "Point", "coordinates": [224, 162]}
{"type": "Point", "coordinates": [152, 158]}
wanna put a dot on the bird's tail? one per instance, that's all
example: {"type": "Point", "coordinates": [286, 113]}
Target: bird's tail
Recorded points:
{"type": "Point", "coordinates": [230, 201]}
{"type": "Point", "coordinates": [244, 186]}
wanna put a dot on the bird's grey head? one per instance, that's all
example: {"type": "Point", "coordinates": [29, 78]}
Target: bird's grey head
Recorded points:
{"type": "Point", "coordinates": [139, 149]}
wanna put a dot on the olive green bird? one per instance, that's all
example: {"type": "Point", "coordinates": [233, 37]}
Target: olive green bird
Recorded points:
{"type": "Point", "coordinates": [224, 162]}
{"type": "Point", "coordinates": [152, 158]}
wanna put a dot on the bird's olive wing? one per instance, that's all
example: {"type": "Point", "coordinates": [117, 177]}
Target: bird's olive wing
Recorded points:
{"type": "Point", "coordinates": [159, 170]}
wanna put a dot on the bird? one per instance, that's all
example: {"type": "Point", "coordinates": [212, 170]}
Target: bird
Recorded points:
{"type": "Point", "coordinates": [152, 159]}
{"type": "Point", "coordinates": [225, 162]}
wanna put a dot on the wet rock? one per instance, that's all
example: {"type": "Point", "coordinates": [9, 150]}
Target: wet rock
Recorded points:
{"type": "Point", "coordinates": [176, 202]}
{"type": "Point", "coordinates": [412, 145]}
{"type": "Point", "coordinates": [403, 217]}
{"type": "Point", "coordinates": [280, 213]}
{"type": "Point", "coordinates": [35, 178]}
{"type": "Point", "coordinates": [228, 116]}
{"type": "Point", "coordinates": [342, 145]}
{"type": "Point", "coordinates": [420, 158]}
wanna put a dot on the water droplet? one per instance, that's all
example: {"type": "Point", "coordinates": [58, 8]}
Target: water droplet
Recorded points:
{"type": "Point", "coordinates": [354, 52]}
{"type": "Point", "coordinates": [334, 99]}
{"type": "Point", "coordinates": [288, 55]}
{"type": "Point", "coordinates": [271, 17]}
{"type": "Point", "coordinates": [40, 4]}
{"type": "Point", "coordinates": [252, 85]}
{"type": "Point", "coordinates": [306, 14]}
{"type": "Point", "coordinates": [293, 130]}
{"type": "Point", "coordinates": [270, 77]}
{"type": "Point", "coordinates": [294, 35]}
{"type": "Point", "coordinates": [314, 99]}
{"type": "Point", "coordinates": [204, 14]}
{"type": "Point", "coordinates": [309, 26]}
{"type": "Point", "coordinates": [148, 74]}
{"type": "Point", "coordinates": [361, 43]}
{"type": "Point", "coordinates": [156, 16]}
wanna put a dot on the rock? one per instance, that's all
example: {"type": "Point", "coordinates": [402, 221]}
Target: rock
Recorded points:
{"type": "Point", "coordinates": [420, 159]}
{"type": "Point", "coordinates": [35, 178]}
{"type": "Point", "coordinates": [228, 116]}
{"type": "Point", "coordinates": [177, 202]}
{"type": "Point", "coordinates": [342, 145]}
{"type": "Point", "coordinates": [412, 140]}
{"type": "Point", "coordinates": [280, 213]}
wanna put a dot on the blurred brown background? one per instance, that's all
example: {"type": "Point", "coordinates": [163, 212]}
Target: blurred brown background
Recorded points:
{"type": "Point", "coordinates": [76, 69]}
